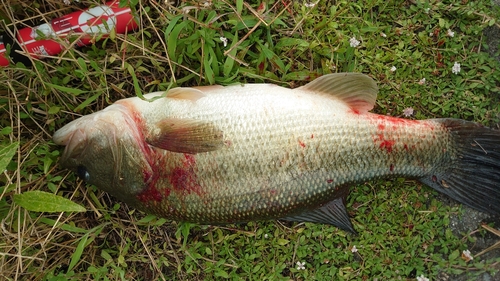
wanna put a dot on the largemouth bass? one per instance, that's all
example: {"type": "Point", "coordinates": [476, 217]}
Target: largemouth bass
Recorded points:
{"type": "Point", "coordinates": [215, 155]}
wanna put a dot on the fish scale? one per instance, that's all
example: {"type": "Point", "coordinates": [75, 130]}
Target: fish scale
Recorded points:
{"type": "Point", "coordinates": [215, 155]}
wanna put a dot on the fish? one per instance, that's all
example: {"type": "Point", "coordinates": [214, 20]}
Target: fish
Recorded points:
{"type": "Point", "coordinates": [250, 152]}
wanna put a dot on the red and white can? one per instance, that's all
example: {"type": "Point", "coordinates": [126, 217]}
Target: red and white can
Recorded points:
{"type": "Point", "coordinates": [86, 25]}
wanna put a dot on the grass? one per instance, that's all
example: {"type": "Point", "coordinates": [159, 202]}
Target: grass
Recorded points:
{"type": "Point", "coordinates": [403, 229]}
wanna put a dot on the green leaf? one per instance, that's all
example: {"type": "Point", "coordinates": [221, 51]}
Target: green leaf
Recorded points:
{"type": "Point", "coordinates": [87, 102]}
{"type": "Point", "coordinates": [286, 42]}
{"type": "Point", "coordinates": [221, 273]}
{"type": "Point", "coordinates": [207, 64]}
{"type": "Point", "coordinates": [6, 154]}
{"type": "Point", "coordinates": [84, 241]}
{"type": "Point", "coordinates": [208, 251]}
{"type": "Point", "coordinates": [63, 226]}
{"type": "Point", "coordinates": [54, 109]}
{"type": "Point", "coordinates": [40, 201]}
{"type": "Point", "coordinates": [239, 6]}
{"type": "Point", "coordinates": [73, 91]}
{"type": "Point", "coordinates": [82, 64]}
{"type": "Point", "coordinates": [173, 39]}
{"type": "Point", "coordinates": [283, 242]}
{"type": "Point", "coordinates": [6, 130]}
{"type": "Point", "coordinates": [454, 255]}
{"type": "Point", "coordinates": [137, 88]}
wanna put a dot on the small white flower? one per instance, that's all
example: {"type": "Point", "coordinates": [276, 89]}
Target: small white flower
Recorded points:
{"type": "Point", "coordinates": [224, 40]}
{"type": "Point", "coordinates": [354, 42]}
{"type": "Point", "coordinates": [393, 68]}
{"type": "Point", "coordinates": [187, 9]}
{"type": "Point", "coordinates": [383, 34]}
{"type": "Point", "coordinates": [407, 112]}
{"type": "Point", "coordinates": [207, 4]}
{"type": "Point", "coordinates": [427, 10]}
{"type": "Point", "coordinates": [422, 81]}
{"type": "Point", "coordinates": [431, 34]}
{"type": "Point", "coordinates": [266, 235]}
{"type": "Point", "coordinates": [466, 255]}
{"type": "Point", "coordinates": [456, 68]}
{"type": "Point", "coordinates": [450, 33]}
{"type": "Point", "coordinates": [301, 265]}
{"type": "Point", "coordinates": [310, 5]}
{"type": "Point", "coordinates": [422, 278]}
{"type": "Point", "coordinates": [354, 249]}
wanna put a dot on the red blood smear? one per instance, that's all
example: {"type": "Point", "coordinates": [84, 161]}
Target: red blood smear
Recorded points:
{"type": "Point", "coordinates": [155, 160]}
{"type": "Point", "coordinates": [354, 110]}
{"type": "Point", "coordinates": [329, 181]}
{"type": "Point", "coordinates": [190, 160]}
{"type": "Point", "coordinates": [302, 144]}
{"type": "Point", "coordinates": [391, 167]}
{"type": "Point", "coordinates": [150, 194]}
{"type": "Point", "coordinates": [394, 121]}
{"type": "Point", "coordinates": [180, 178]}
{"type": "Point", "coordinates": [183, 178]}
{"type": "Point", "coordinates": [387, 145]}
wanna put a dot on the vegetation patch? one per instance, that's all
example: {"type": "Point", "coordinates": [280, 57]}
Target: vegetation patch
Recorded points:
{"type": "Point", "coordinates": [428, 58]}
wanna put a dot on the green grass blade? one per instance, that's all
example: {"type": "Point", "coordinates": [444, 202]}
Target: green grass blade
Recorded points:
{"type": "Point", "coordinates": [84, 241]}
{"type": "Point", "coordinates": [63, 226]}
{"type": "Point", "coordinates": [87, 102]}
{"type": "Point", "coordinates": [64, 89]}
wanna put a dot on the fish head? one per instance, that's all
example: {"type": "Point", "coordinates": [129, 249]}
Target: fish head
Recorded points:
{"type": "Point", "coordinates": [106, 149]}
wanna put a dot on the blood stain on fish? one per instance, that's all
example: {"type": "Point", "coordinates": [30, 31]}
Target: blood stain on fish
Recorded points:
{"type": "Point", "coordinates": [150, 194]}
{"type": "Point", "coordinates": [302, 144]}
{"type": "Point", "coordinates": [387, 145]}
{"type": "Point", "coordinates": [183, 178]}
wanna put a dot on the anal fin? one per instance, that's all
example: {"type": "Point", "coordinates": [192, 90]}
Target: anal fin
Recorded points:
{"type": "Point", "coordinates": [334, 213]}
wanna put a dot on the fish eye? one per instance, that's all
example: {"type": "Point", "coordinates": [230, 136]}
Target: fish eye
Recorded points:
{"type": "Point", "coordinates": [82, 173]}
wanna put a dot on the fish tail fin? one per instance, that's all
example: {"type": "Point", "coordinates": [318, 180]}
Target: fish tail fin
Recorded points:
{"type": "Point", "coordinates": [473, 176]}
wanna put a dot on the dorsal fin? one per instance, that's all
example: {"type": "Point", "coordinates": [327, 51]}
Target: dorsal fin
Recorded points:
{"type": "Point", "coordinates": [185, 93]}
{"type": "Point", "coordinates": [358, 90]}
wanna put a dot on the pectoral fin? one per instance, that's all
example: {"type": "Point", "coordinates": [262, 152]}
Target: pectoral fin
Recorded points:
{"type": "Point", "coordinates": [334, 213]}
{"type": "Point", "coordinates": [186, 136]}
